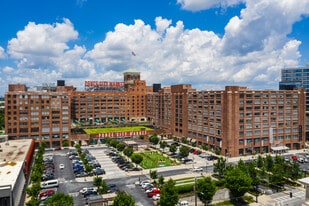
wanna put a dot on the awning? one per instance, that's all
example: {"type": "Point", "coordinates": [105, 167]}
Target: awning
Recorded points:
{"type": "Point", "coordinates": [279, 148]}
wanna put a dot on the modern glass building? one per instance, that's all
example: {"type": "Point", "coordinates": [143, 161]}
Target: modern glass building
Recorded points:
{"type": "Point", "coordinates": [292, 78]}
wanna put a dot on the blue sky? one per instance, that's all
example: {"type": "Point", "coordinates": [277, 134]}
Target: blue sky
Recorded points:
{"type": "Point", "coordinates": [206, 43]}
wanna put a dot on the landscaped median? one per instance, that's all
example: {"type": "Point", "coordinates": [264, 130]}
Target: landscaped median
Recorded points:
{"type": "Point", "coordinates": [153, 159]}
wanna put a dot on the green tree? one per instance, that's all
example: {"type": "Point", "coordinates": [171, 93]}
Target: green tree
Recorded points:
{"type": "Point", "coordinates": [128, 151]}
{"type": "Point", "coordinates": [160, 181]}
{"type": "Point", "coordinates": [276, 177]}
{"type": "Point", "coordinates": [154, 139]}
{"type": "Point", "coordinates": [97, 181]}
{"type": "Point", "coordinates": [173, 149]}
{"type": "Point", "coordinates": [33, 202]}
{"type": "Point", "coordinates": [163, 144]}
{"type": "Point", "coordinates": [153, 175]}
{"type": "Point", "coordinates": [169, 195]}
{"type": "Point", "coordinates": [60, 199]}
{"type": "Point", "coordinates": [34, 190]}
{"type": "Point", "coordinates": [103, 187]}
{"type": "Point", "coordinates": [220, 167]}
{"type": "Point", "coordinates": [293, 172]}
{"type": "Point", "coordinates": [1, 119]}
{"type": "Point", "coordinates": [120, 147]}
{"type": "Point", "coordinates": [238, 182]}
{"type": "Point", "coordinates": [123, 199]}
{"type": "Point", "coordinates": [114, 142]}
{"type": "Point", "coordinates": [136, 158]}
{"type": "Point", "coordinates": [260, 162]}
{"type": "Point", "coordinates": [184, 151]}
{"type": "Point", "coordinates": [269, 163]}
{"type": "Point", "coordinates": [206, 189]}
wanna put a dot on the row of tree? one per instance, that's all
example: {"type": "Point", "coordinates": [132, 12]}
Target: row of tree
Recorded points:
{"type": "Point", "coordinates": [35, 188]}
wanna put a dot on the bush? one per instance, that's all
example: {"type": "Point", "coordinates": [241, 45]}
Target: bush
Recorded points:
{"type": "Point", "coordinates": [181, 189]}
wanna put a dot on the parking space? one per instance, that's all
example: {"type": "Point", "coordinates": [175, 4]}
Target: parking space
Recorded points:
{"type": "Point", "coordinates": [111, 169]}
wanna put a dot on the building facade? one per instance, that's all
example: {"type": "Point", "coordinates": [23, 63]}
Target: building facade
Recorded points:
{"type": "Point", "coordinates": [235, 121]}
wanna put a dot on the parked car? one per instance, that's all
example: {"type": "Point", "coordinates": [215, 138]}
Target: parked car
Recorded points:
{"type": "Point", "coordinates": [81, 174]}
{"type": "Point", "coordinates": [90, 192]}
{"type": "Point", "coordinates": [183, 203]}
{"type": "Point", "coordinates": [85, 189]}
{"type": "Point", "coordinates": [154, 192]}
{"type": "Point", "coordinates": [46, 193]}
{"type": "Point", "coordinates": [112, 188]}
{"type": "Point", "coordinates": [156, 197]}
{"type": "Point", "coordinates": [98, 171]}
{"type": "Point", "coordinates": [197, 169]}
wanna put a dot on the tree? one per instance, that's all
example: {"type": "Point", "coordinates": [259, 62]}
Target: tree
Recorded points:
{"type": "Point", "coordinates": [113, 143]}
{"type": "Point", "coordinates": [97, 181]}
{"type": "Point", "coordinates": [60, 199]}
{"type": "Point", "coordinates": [260, 162]}
{"type": "Point", "coordinates": [128, 151]}
{"type": "Point", "coordinates": [184, 151]}
{"type": "Point", "coordinates": [238, 182]}
{"type": "Point", "coordinates": [276, 177]}
{"type": "Point", "coordinates": [153, 175]}
{"type": "Point", "coordinates": [169, 195]}
{"type": "Point", "coordinates": [161, 181]}
{"type": "Point", "coordinates": [173, 149]}
{"type": "Point", "coordinates": [206, 189]}
{"type": "Point", "coordinates": [120, 147]}
{"type": "Point", "coordinates": [33, 202]}
{"type": "Point", "coordinates": [154, 139]}
{"type": "Point", "coordinates": [123, 199]}
{"type": "Point", "coordinates": [34, 190]}
{"type": "Point", "coordinates": [269, 163]}
{"type": "Point", "coordinates": [163, 144]}
{"type": "Point", "coordinates": [220, 167]}
{"type": "Point", "coordinates": [136, 158]}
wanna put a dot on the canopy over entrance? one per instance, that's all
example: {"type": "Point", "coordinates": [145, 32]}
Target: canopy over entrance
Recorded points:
{"type": "Point", "coordinates": [279, 149]}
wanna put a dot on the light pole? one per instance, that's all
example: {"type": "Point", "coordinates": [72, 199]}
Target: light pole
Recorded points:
{"type": "Point", "coordinates": [195, 196]}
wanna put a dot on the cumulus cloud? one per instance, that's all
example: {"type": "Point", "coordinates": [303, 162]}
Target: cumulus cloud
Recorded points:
{"type": "Point", "coordinates": [38, 43]}
{"type": "Point", "coordinates": [8, 70]}
{"type": "Point", "coordinates": [198, 5]}
{"type": "Point", "coordinates": [251, 52]}
{"type": "Point", "coordinates": [2, 53]}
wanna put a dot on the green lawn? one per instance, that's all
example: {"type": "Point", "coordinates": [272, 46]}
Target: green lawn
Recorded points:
{"type": "Point", "coordinates": [155, 159]}
{"type": "Point", "coordinates": [116, 129]}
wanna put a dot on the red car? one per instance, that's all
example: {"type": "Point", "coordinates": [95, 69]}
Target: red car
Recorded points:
{"type": "Point", "coordinates": [294, 158]}
{"type": "Point", "coordinates": [47, 193]}
{"type": "Point", "coordinates": [154, 192]}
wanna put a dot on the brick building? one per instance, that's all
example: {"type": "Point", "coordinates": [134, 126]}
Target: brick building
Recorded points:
{"type": "Point", "coordinates": [236, 121]}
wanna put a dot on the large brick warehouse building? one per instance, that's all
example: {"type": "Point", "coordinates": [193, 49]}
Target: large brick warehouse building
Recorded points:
{"type": "Point", "coordinates": [237, 121]}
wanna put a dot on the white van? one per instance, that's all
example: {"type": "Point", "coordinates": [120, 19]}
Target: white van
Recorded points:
{"type": "Point", "coordinates": [49, 184]}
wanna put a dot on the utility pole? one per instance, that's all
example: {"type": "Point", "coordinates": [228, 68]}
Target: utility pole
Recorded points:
{"type": "Point", "coordinates": [195, 196]}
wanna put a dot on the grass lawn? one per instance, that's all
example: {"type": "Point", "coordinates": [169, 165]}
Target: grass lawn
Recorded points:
{"type": "Point", "coordinates": [116, 129]}
{"type": "Point", "coordinates": [155, 159]}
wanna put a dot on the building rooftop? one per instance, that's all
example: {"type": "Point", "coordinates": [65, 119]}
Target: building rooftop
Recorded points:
{"type": "Point", "coordinates": [12, 156]}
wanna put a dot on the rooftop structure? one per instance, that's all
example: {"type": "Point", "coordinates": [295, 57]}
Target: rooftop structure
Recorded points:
{"type": "Point", "coordinates": [15, 159]}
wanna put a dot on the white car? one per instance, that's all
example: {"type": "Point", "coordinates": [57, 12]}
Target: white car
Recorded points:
{"type": "Point", "coordinates": [156, 197]}
{"type": "Point", "coordinates": [183, 203]}
{"type": "Point", "coordinates": [197, 169]}
{"type": "Point", "coordinates": [85, 189]}
{"type": "Point", "coordinates": [61, 166]}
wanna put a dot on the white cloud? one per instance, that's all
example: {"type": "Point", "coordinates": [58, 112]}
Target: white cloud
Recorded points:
{"type": "Point", "coordinates": [2, 53]}
{"type": "Point", "coordinates": [38, 43]}
{"type": "Point", "coordinates": [252, 51]}
{"type": "Point", "coordinates": [198, 5]}
{"type": "Point", "coordinates": [8, 70]}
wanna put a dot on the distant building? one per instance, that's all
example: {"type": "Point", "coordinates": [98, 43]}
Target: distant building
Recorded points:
{"type": "Point", "coordinates": [15, 161]}
{"type": "Point", "coordinates": [293, 78]}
